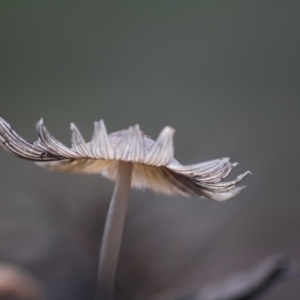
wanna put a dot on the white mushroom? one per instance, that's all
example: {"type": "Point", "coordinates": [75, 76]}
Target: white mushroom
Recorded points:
{"type": "Point", "coordinates": [130, 158]}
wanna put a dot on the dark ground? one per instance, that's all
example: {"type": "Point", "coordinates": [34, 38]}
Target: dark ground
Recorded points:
{"type": "Point", "coordinates": [224, 74]}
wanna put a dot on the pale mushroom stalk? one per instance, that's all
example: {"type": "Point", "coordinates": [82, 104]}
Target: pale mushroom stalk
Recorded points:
{"type": "Point", "coordinates": [130, 158]}
{"type": "Point", "coordinates": [113, 232]}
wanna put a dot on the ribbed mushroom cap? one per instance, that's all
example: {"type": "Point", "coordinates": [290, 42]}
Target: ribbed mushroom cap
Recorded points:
{"type": "Point", "coordinates": [154, 166]}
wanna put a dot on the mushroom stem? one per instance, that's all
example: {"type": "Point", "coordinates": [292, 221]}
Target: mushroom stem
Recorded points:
{"type": "Point", "coordinates": [113, 231]}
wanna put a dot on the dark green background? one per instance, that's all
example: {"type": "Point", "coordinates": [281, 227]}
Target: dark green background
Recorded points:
{"type": "Point", "coordinates": [224, 74]}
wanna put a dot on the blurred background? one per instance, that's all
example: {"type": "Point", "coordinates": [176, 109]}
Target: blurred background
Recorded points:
{"type": "Point", "coordinates": [224, 74]}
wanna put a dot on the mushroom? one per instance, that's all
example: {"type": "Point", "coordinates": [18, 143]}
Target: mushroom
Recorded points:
{"type": "Point", "coordinates": [131, 158]}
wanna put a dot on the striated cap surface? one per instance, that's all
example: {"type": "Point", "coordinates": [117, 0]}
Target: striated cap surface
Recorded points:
{"type": "Point", "coordinates": [154, 164]}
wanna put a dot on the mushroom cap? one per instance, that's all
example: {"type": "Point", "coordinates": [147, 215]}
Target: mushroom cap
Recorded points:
{"type": "Point", "coordinates": [154, 166]}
